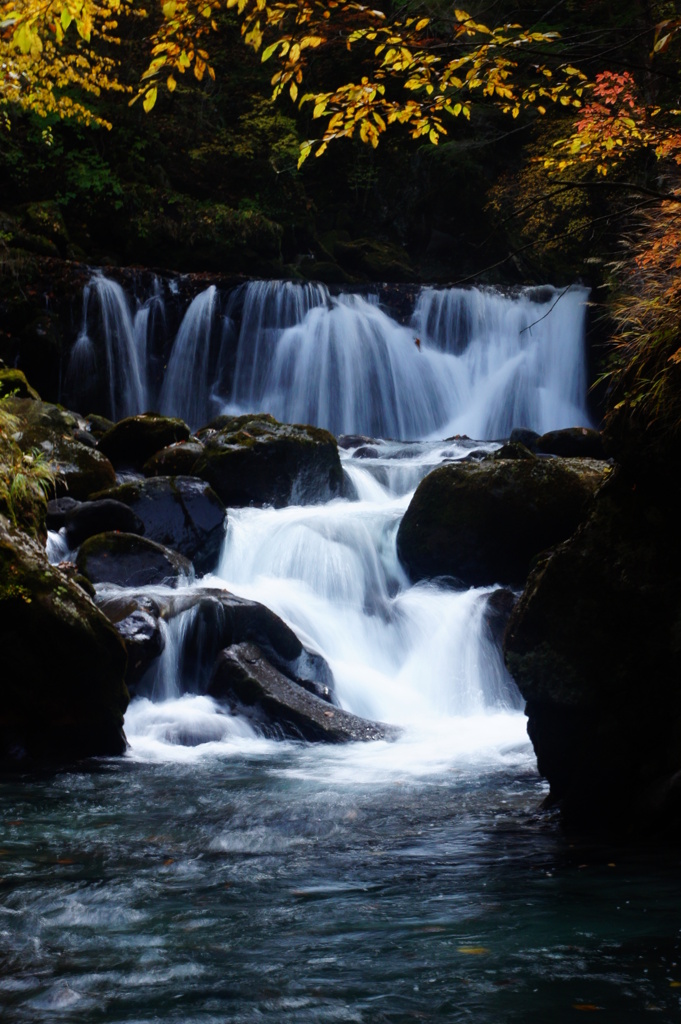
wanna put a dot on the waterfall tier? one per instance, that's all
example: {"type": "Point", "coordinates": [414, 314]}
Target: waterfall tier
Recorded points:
{"type": "Point", "coordinates": [469, 360]}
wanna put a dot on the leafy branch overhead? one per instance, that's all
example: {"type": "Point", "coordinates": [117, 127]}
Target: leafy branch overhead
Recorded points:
{"type": "Point", "coordinates": [414, 71]}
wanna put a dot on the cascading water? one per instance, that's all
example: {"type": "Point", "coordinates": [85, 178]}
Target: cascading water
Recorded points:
{"type": "Point", "coordinates": [122, 360]}
{"type": "Point", "coordinates": [470, 360]}
{"type": "Point", "coordinates": [216, 875]}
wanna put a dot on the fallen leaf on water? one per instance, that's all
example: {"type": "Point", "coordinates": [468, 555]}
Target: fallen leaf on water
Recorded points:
{"type": "Point", "coordinates": [65, 860]}
{"type": "Point", "coordinates": [473, 950]}
{"type": "Point", "coordinates": [168, 862]}
{"type": "Point", "coordinates": [675, 984]}
{"type": "Point", "coordinates": [586, 1006]}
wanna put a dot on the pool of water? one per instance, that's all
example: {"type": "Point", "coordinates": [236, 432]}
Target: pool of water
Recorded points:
{"type": "Point", "coordinates": [291, 883]}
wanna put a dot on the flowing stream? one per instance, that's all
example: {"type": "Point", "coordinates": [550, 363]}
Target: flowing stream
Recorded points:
{"type": "Point", "coordinates": [213, 875]}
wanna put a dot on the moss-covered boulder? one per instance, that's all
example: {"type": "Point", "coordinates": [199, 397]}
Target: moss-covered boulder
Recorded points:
{"type": "Point", "coordinates": [135, 439]}
{"type": "Point", "coordinates": [175, 460]}
{"type": "Point", "coordinates": [13, 382]}
{"type": "Point", "coordinates": [483, 522]}
{"type": "Point", "coordinates": [594, 645]}
{"type": "Point", "coordinates": [130, 561]}
{"type": "Point", "coordinates": [50, 432]}
{"type": "Point", "coordinates": [62, 694]}
{"type": "Point", "coordinates": [181, 512]}
{"type": "Point", "coordinates": [254, 460]}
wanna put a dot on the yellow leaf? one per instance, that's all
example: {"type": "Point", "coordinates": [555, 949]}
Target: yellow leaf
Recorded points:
{"type": "Point", "coordinates": [461, 16]}
{"type": "Point", "coordinates": [169, 8]}
{"type": "Point", "coordinates": [171, 83]}
{"type": "Point", "coordinates": [433, 136]}
{"type": "Point", "coordinates": [420, 25]}
{"type": "Point", "coordinates": [293, 90]}
{"type": "Point", "coordinates": [473, 950]}
{"type": "Point", "coordinates": [304, 153]}
{"type": "Point", "coordinates": [150, 99]}
{"type": "Point", "coordinates": [65, 18]}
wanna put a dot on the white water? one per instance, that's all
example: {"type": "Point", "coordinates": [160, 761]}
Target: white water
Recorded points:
{"type": "Point", "coordinates": [471, 361]}
{"type": "Point", "coordinates": [417, 656]}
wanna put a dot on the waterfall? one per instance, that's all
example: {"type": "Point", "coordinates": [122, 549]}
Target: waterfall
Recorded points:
{"type": "Point", "coordinates": [123, 363]}
{"type": "Point", "coordinates": [470, 361]}
{"type": "Point", "coordinates": [188, 382]}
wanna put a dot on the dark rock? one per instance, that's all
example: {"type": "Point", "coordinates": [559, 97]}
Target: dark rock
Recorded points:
{"type": "Point", "coordinates": [574, 442]}
{"type": "Point", "coordinates": [280, 708]}
{"type": "Point", "coordinates": [522, 435]}
{"type": "Point", "coordinates": [135, 439]}
{"type": "Point", "coordinates": [130, 561]}
{"type": "Point", "coordinates": [500, 604]}
{"type": "Point", "coordinates": [594, 645]}
{"type": "Point", "coordinates": [254, 460]}
{"type": "Point", "coordinates": [63, 694]}
{"type": "Point", "coordinates": [14, 383]}
{"type": "Point", "coordinates": [80, 471]}
{"type": "Point", "coordinates": [353, 440]}
{"type": "Point", "coordinates": [57, 510]}
{"type": "Point", "coordinates": [86, 438]}
{"type": "Point", "coordinates": [180, 512]}
{"type": "Point", "coordinates": [366, 452]}
{"type": "Point", "coordinates": [98, 425]}
{"type": "Point", "coordinates": [175, 460]}
{"type": "Point", "coordinates": [484, 522]}
{"type": "Point", "coordinates": [137, 622]}
{"type": "Point", "coordinates": [513, 450]}
{"type": "Point", "coordinates": [90, 517]}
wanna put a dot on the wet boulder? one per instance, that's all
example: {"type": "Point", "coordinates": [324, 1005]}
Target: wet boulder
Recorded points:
{"type": "Point", "coordinates": [175, 460]}
{"type": "Point", "coordinates": [57, 511]}
{"type": "Point", "coordinates": [62, 690]}
{"type": "Point", "coordinates": [483, 523]}
{"type": "Point", "coordinates": [135, 439]}
{"type": "Point", "coordinates": [130, 561]}
{"type": "Point", "coordinates": [137, 620]}
{"type": "Point", "coordinates": [215, 619]}
{"type": "Point", "coordinates": [181, 512]}
{"type": "Point", "coordinates": [525, 436]}
{"type": "Point", "coordinates": [254, 460]}
{"type": "Point", "coordinates": [280, 708]}
{"type": "Point", "coordinates": [87, 518]}
{"type": "Point", "coordinates": [572, 442]}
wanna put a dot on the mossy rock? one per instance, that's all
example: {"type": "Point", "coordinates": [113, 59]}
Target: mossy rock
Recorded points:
{"type": "Point", "coordinates": [13, 383]}
{"type": "Point", "coordinates": [63, 664]}
{"type": "Point", "coordinates": [484, 522]}
{"type": "Point", "coordinates": [182, 513]}
{"type": "Point", "coordinates": [98, 425]}
{"type": "Point", "coordinates": [175, 460]}
{"type": "Point", "coordinates": [254, 460]}
{"type": "Point", "coordinates": [130, 561]}
{"type": "Point", "coordinates": [80, 471]}
{"type": "Point", "coordinates": [135, 439]}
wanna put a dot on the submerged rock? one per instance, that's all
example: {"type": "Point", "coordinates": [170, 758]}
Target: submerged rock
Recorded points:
{"type": "Point", "coordinates": [180, 512]}
{"type": "Point", "coordinates": [483, 522]}
{"type": "Point", "coordinates": [62, 694]}
{"type": "Point", "coordinates": [279, 707]}
{"type": "Point", "coordinates": [254, 460]}
{"type": "Point", "coordinates": [130, 561]}
{"type": "Point", "coordinates": [135, 439]}
{"type": "Point", "coordinates": [137, 620]}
